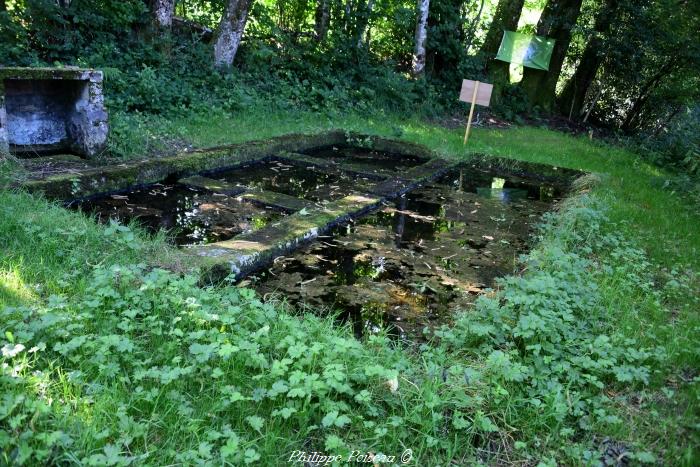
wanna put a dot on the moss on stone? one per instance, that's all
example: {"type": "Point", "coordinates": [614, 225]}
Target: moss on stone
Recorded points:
{"type": "Point", "coordinates": [49, 73]}
{"type": "Point", "coordinates": [131, 174]}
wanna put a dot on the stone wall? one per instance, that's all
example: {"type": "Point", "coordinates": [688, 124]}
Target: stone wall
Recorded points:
{"type": "Point", "coordinates": [51, 110]}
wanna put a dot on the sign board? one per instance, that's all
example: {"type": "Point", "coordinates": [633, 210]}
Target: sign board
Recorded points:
{"type": "Point", "coordinates": [483, 92]}
{"type": "Point", "coordinates": [526, 50]}
{"type": "Point", "coordinates": [474, 92]}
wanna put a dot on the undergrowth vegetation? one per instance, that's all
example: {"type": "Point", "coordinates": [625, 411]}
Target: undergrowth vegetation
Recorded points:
{"type": "Point", "coordinates": [362, 61]}
{"type": "Point", "coordinates": [546, 338]}
{"type": "Point", "coordinates": [123, 363]}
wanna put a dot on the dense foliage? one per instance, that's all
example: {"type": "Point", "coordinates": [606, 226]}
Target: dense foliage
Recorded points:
{"type": "Point", "coordinates": [631, 67]}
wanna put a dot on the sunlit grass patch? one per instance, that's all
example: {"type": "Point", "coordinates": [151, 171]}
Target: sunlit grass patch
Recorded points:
{"type": "Point", "coordinates": [13, 289]}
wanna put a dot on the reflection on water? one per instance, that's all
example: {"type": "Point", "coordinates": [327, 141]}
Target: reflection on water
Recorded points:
{"type": "Point", "coordinates": [366, 160]}
{"type": "Point", "coordinates": [191, 216]}
{"type": "Point", "coordinates": [300, 182]}
{"type": "Point", "coordinates": [414, 263]}
{"type": "Point", "coordinates": [505, 190]}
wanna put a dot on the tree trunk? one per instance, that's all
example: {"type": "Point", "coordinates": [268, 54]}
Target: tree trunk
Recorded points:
{"type": "Point", "coordinates": [573, 96]}
{"type": "Point", "coordinates": [667, 121]}
{"type": "Point", "coordinates": [163, 14]}
{"type": "Point", "coordinates": [322, 17]}
{"type": "Point", "coordinates": [645, 93]}
{"type": "Point", "coordinates": [346, 18]}
{"type": "Point", "coordinates": [230, 32]}
{"type": "Point", "coordinates": [506, 19]}
{"type": "Point", "coordinates": [556, 22]}
{"type": "Point", "coordinates": [420, 37]}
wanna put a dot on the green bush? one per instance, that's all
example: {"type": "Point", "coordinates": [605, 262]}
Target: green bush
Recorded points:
{"type": "Point", "coordinates": [547, 329]}
{"type": "Point", "coordinates": [678, 146]}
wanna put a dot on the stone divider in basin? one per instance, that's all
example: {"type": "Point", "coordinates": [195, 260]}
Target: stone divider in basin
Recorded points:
{"type": "Point", "coordinates": [275, 200]}
{"type": "Point", "coordinates": [123, 177]}
{"type": "Point", "coordinates": [252, 195]}
{"type": "Point", "coordinates": [245, 253]}
{"type": "Point", "coordinates": [248, 252]}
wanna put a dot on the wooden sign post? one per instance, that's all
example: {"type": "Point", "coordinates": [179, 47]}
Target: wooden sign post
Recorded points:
{"type": "Point", "coordinates": [474, 92]}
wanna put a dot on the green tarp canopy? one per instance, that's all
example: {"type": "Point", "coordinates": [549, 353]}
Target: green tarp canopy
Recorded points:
{"type": "Point", "coordinates": [527, 50]}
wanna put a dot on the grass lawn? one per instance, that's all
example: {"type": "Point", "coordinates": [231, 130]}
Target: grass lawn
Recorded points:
{"type": "Point", "coordinates": [591, 353]}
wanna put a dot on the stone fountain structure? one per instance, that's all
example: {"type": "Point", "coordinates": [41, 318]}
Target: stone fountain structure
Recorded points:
{"type": "Point", "coordinates": [52, 110]}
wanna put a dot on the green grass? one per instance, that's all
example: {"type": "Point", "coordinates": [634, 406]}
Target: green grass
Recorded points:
{"type": "Point", "coordinates": [619, 261]}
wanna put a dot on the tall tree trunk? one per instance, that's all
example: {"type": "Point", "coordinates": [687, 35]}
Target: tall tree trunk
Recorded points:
{"type": "Point", "coordinates": [420, 37]}
{"type": "Point", "coordinates": [506, 19]}
{"type": "Point", "coordinates": [363, 22]}
{"type": "Point", "coordinates": [347, 8]}
{"type": "Point", "coordinates": [667, 121]}
{"type": "Point", "coordinates": [556, 22]}
{"type": "Point", "coordinates": [230, 32]}
{"type": "Point", "coordinates": [322, 18]}
{"type": "Point", "coordinates": [645, 92]}
{"type": "Point", "coordinates": [163, 14]}
{"type": "Point", "coordinates": [574, 93]}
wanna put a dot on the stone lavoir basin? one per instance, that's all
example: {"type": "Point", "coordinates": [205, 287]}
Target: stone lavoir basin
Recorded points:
{"type": "Point", "coordinates": [416, 260]}
{"type": "Point", "coordinates": [383, 235]}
